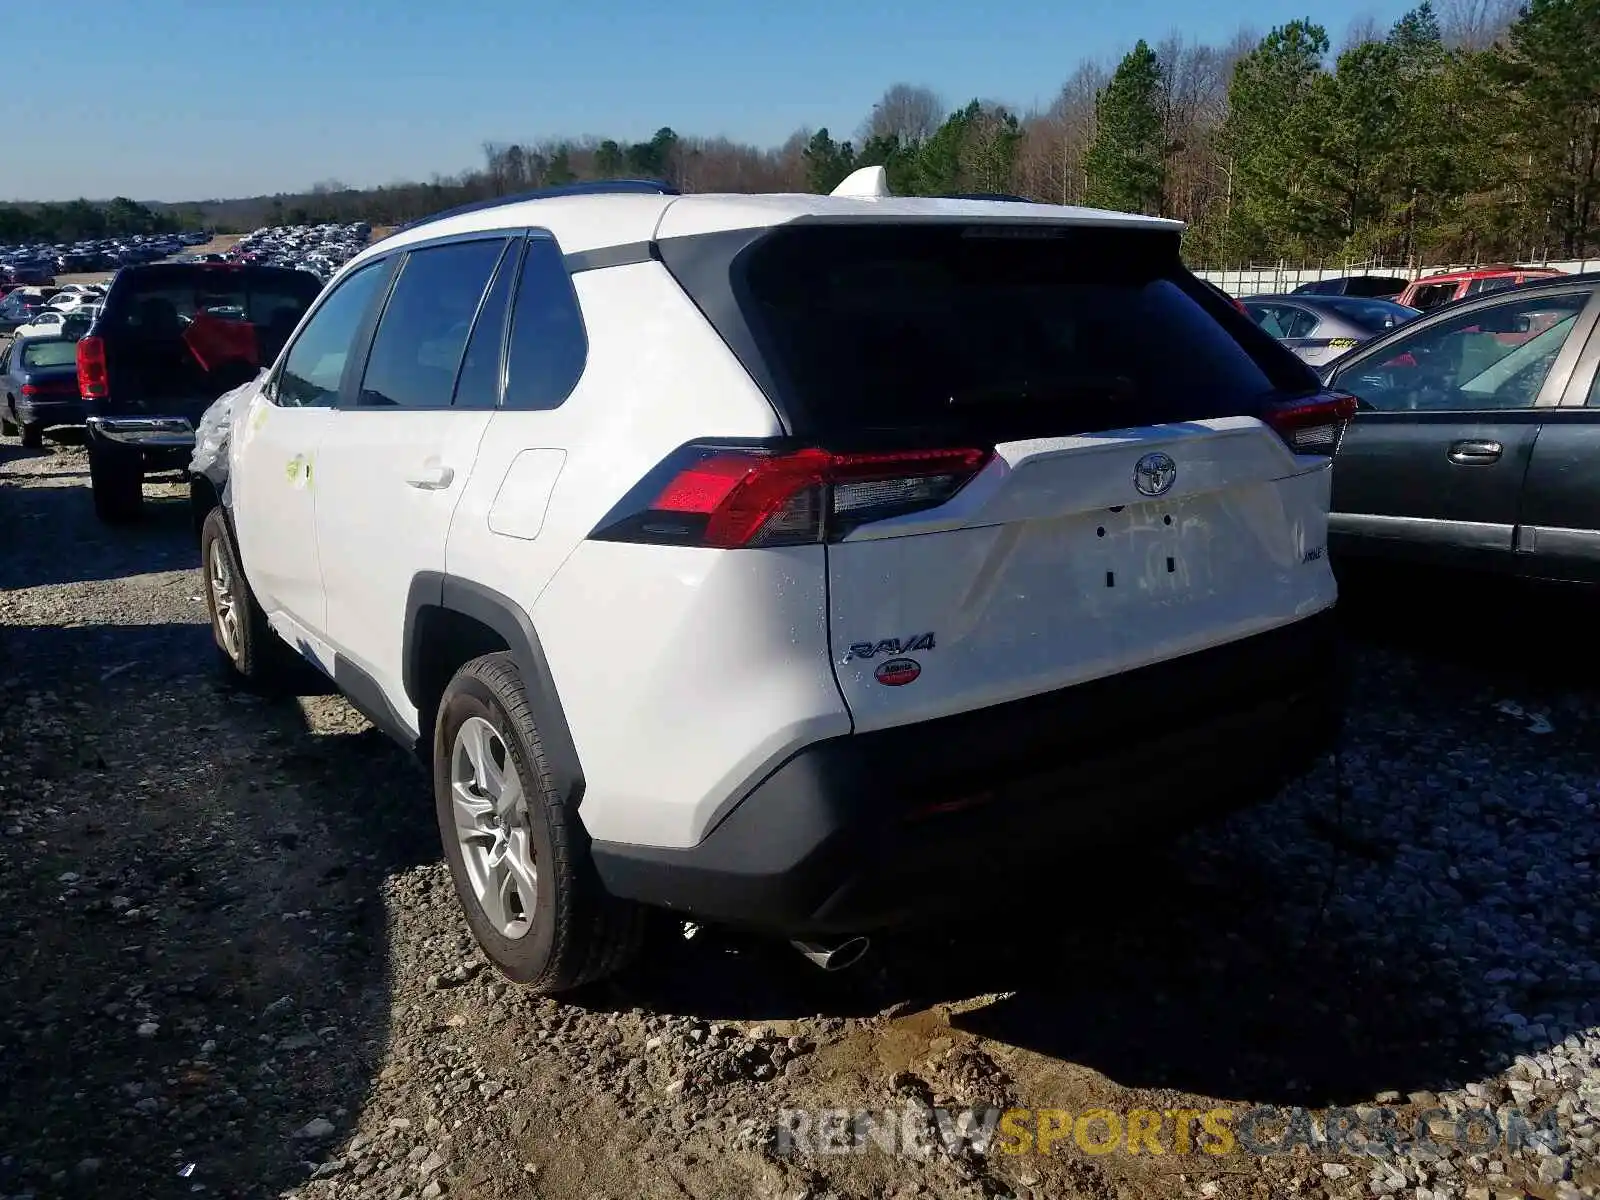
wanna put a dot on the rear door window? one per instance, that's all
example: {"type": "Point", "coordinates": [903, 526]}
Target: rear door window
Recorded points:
{"type": "Point", "coordinates": [1299, 322]}
{"type": "Point", "coordinates": [417, 348]}
{"type": "Point", "coordinates": [991, 330]}
{"type": "Point", "coordinates": [478, 384]}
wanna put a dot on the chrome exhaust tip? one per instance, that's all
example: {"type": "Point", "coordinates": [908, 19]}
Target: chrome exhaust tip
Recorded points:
{"type": "Point", "coordinates": [833, 956]}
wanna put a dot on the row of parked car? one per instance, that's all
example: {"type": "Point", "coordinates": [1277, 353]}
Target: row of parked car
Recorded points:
{"type": "Point", "coordinates": [1477, 440]}
{"type": "Point", "coordinates": [318, 249]}
{"type": "Point", "coordinates": [26, 311]}
{"type": "Point", "coordinates": [1428, 291]}
{"type": "Point", "coordinates": [975, 551]}
{"type": "Point", "coordinates": [40, 263]}
{"type": "Point", "coordinates": [1324, 319]}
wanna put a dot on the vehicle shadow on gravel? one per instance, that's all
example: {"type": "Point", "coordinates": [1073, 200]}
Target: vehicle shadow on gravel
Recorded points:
{"type": "Point", "coordinates": [198, 994]}
{"type": "Point", "coordinates": [1228, 965]}
{"type": "Point", "coordinates": [56, 539]}
{"type": "Point", "coordinates": [1513, 631]}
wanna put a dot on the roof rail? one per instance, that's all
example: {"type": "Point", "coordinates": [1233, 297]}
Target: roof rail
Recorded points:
{"type": "Point", "coordinates": [597, 187]}
{"type": "Point", "coordinates": [1005, 196]}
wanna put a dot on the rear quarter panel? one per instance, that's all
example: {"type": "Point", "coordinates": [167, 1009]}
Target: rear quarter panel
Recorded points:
{"type": "Point", "coordinates": [682, 672]}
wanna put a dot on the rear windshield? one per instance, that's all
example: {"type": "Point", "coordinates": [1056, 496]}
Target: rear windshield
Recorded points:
{"type": "Point", "coordinates": [1433, 295]}
{"type": "Point", "coordinates": [999, 331]}
{"type": "Point", "coordinates": [161, 303]}
{"type": "Point", "coordinates": [49, 354]}
{"type": "Point", "coordinates": [1371, 315]}
{"type": "Point", "coordinates": [1373, 285]}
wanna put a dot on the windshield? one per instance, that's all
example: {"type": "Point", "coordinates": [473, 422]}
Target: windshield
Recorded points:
{"type": "Point", "coordinates": [49, 354]}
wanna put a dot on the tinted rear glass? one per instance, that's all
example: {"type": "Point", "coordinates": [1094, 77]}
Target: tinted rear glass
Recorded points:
{"type": "Point", "coordinates": [1434, 294]}
{"type": "Point", "coordinates": [49, 354]}
{"type": "Point", "coordinates": [1001, 331]}
{"type": "Point", "coordinates": [1493, 283]}
{"type": "Point", "coordinates": [1373, 285]}
{"type": "Point", "coordinates": [161, 302]}
{"type": "Point", "coordinates": [1371, 315]}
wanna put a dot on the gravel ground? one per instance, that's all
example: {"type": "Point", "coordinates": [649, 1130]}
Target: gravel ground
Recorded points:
{"type": "Point", "coordinates": [234, 966]}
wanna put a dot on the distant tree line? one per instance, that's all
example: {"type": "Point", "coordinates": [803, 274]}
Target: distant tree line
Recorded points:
{"type": "Point", "coordinates": [83, 220]}
{"type": "Point", "coordinates": [1469, 130]}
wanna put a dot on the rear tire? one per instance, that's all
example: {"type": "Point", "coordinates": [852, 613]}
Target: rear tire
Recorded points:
{"type": "Point", "coordinates": [249, 654]}
{"type": "Point", "coordinates": [117, 480]}
{"type": "Point", "coordinates": [33, 435]}
{"type": "Point", "coordinates": [567, 931]}
{"type": "Point", "coordinates": [8, 427]}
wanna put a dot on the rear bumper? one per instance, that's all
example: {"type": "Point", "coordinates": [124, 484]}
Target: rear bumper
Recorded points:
{"type": "Point", "coordinates": [49, 412]}
{"type": "Point", "coordinates": [890, 828]}
{"type": "Point", "coordinates": [146, 433]}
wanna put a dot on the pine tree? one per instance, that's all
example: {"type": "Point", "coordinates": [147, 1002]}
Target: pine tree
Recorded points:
{"type": "Point", "coordinates": [1553, 69]}
{"type": "Point", "coordinates": [1266, 101]}
{"type": "Point", "coordinates": [1126, 160]}
{"type": "Point", "coordinates": [827, 162]}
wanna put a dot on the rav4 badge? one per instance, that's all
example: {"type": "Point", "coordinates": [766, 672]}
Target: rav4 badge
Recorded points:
{"type": "Point", "coordinates": [897, 672]}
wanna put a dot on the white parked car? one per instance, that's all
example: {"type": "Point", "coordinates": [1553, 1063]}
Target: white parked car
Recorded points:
{"type": "Point", "coordinates": [47, 322]}
{"type": "Point", "coordinates": [811, 563]}
{"type": "Point", "coordinates": [73, 302]}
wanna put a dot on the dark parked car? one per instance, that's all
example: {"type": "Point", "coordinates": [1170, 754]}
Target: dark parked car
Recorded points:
{"type": "Point", "coordinates": [1321, 328]}
{"type": "Point", "coordinates": [170, 338]}
{"type": "Point", "coordinates": [1354, 285]}
{"type": "Point", "coordinates": [19, 307]}
{"type": "Point", "coordinates": [39, 387]}
{"type": "Point", "coordinates": [1478, 436]}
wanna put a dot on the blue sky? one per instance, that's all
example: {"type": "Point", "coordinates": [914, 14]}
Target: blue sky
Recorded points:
{"type": "Point", "coordinates": [186, 100]}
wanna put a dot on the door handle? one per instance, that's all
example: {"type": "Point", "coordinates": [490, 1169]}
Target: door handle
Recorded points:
{"type": "Point", "coordinates": [431, 478]}
{"type": "Point", "coordinates": [1475, 454]}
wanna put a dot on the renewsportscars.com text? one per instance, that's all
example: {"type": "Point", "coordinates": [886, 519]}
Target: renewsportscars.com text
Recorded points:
{"type": "Point", "coordinates": [919, 1131]}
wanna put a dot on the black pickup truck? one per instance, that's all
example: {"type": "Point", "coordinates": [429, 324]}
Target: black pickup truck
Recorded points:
{"type": "Point", "coordinates": [170, 339]}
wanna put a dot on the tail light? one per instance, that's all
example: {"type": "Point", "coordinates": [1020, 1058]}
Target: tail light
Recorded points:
{"type": "Point", "coordinates": [93, 378]}
{"type": "Point", "coordinates": [1315, 425]}
{"type": "Point", "coordinates": [45, 389]}
{"type": "Point", "coordinates": [742, 496]}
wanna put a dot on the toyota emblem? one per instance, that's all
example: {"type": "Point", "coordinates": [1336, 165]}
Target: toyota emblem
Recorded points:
{"type": "Point", "coordinates": [1154, 474]}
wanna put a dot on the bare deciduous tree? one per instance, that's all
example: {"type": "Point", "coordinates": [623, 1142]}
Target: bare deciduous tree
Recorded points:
{"type": "Point", "coordinates": [1476, 24]}
{"type": "Point", "coordinates": [906, 111]}
{"type": "Point", "coordinates": [1050, 165]}
{"type": "Point", "coordinates": [1195, 77]}
{"type": "Point", "coordinates": [1362, 29]}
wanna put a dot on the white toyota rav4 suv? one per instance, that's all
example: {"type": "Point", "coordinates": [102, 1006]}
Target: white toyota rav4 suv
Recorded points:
{"type": "Point", "coordinates": [809, 563]}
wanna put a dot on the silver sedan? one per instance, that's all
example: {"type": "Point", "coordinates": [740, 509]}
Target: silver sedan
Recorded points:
{"type": "Point", "coordinates": [1321, 328]}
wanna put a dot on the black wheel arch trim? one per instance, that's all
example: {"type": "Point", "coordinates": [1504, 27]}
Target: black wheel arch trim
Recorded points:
{"type": "Point", "coordinates": [436, 590]}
